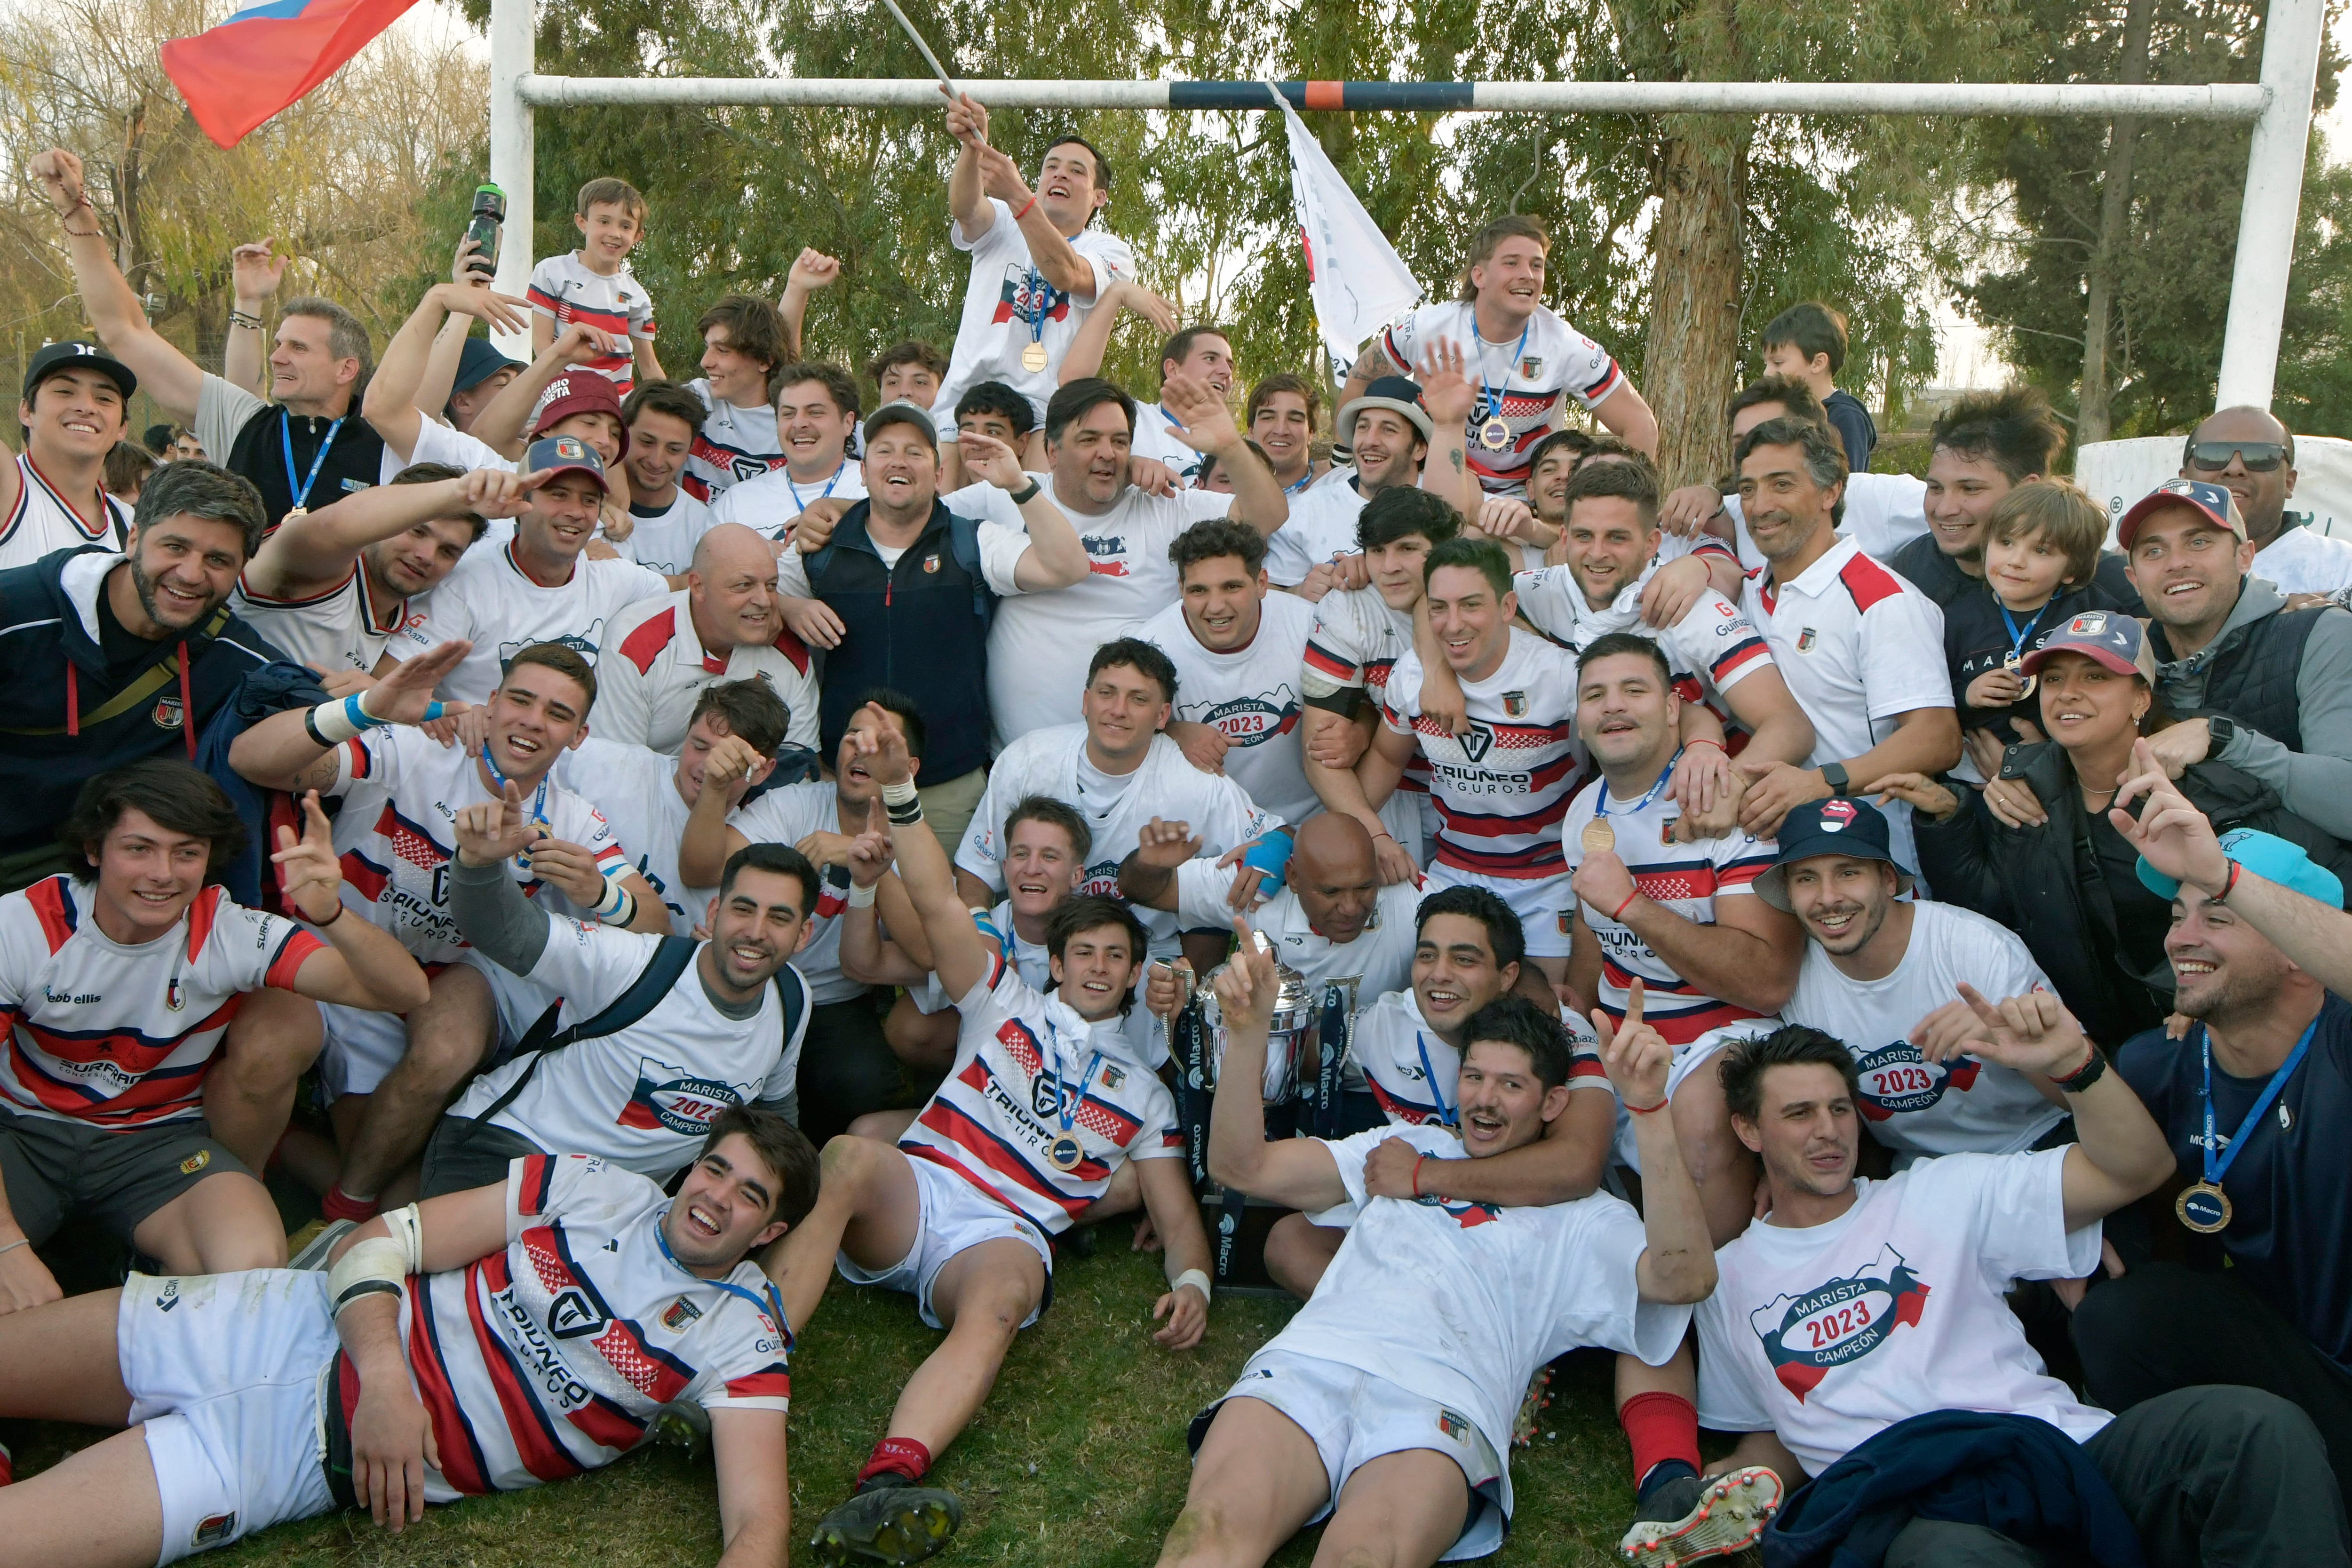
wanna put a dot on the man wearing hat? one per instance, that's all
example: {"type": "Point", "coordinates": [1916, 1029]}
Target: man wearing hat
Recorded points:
{"type": "Point", "coordinates": [1389, 429]}
{"type": "Point", "coordinates": [538, 587]}
{"type": "Point", "coordinates": [75, 407]}
{"type": "Point", "coordinates": [482, 373]}
{"type": "Point", "coordinates": [2253, 1102]}
{"type": "Point", "coordinates": [1882, 973]}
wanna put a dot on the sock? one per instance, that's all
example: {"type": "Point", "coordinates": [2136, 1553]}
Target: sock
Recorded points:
{"type": "Point", "coordinates": [1663, 1430]}
{"type": "Point", "coordinates": [7, 1466]}
{"type": "Point", "coordinates": [340, 1205]}
{"type": "Point", "coordinates": [907, 1458]}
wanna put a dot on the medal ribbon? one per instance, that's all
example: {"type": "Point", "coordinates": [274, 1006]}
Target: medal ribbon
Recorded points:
{"type": "Point", "coordinates": [774, 1305]}
{"type": "Point", "coordinates": [1445, 1118]}
{"type": "Point", "coordinates": [286, 445]}
{"type": "Point", "coordinates": [795, 489]}
{"type": "Point", "coordinates": [538, 802]}
{"type": "Point", "coordinates": [2016, 636]}
{"type": "Point", "coordinates": [1045, 305]}
{"type": "Point", "coordinates": [2215, 1169]}
{"type": "Point", "coordinates": [1600, 802]}
{"type": "Point", "coordinates": [1493, 395]}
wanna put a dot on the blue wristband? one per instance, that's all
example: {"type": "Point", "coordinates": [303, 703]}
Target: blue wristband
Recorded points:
{"type": "Point", "coordinates": [361, 719]}
{"type": "Point", "coordinates": [1269, 856]}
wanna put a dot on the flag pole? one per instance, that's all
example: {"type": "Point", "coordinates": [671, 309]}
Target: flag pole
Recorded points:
{"type": "Point", "coordinates": [929, 58]}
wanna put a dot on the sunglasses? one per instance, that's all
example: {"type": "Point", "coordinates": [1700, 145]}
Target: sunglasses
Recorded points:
{"type": "Point", "coordinates": [2260, 457]}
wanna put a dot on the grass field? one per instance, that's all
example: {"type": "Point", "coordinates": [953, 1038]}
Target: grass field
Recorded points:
{"type": "Point", "coordinates": [1077, 1461]}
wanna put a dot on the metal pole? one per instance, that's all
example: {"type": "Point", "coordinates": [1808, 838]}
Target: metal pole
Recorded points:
{"type": "Point", "coordinates": [512, 46]}
{"type": "Point", "coordinates": [2229, 100]}
{"type": "Point", "coordinates": [2274, 199]}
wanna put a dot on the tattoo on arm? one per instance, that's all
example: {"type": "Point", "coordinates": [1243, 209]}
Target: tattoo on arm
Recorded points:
{"type": "Point", "coordinates": [1373, 363]}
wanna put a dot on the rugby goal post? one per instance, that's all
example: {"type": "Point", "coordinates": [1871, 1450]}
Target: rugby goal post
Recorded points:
{"type": "Point", "coordinates": [2279, 105]}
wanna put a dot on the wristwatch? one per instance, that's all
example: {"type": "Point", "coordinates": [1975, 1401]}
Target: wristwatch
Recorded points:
{"type": "Point", "coordinates": [2223, 730]}
{"type": "Point", "coordinates": [1834, 775]}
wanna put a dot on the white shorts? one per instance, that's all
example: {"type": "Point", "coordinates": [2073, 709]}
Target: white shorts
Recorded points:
{"type": "Point", "coordinates": [1536, 901]}
{"type": "Point", "coordinates": [226, 1371]}
{"type": "Point", "coordinates": [1689, 1057]}
{"type": "Point", "coordinates": [364, 1046]}
{"type": "Point", "coordinates": [1354, 1418]}
{"type": "Point", "coordinates": [951, 1216]}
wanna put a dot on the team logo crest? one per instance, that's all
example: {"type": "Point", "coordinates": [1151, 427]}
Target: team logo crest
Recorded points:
{"type": "Point", "coordinates": [1837, 812]}
{"type": "Point", "coordinates": [1112, 1076]}
{"type": "Point", "coordinates": [176, 994]}
{"type": "Point", "coordinates": [1455, 1425]}
{"type": "Point", "coordinates": [2087, 625]}
{"type": "Point", "coordinates": [1666, 830]}
{"type": "Point", "coordinates": [168, 713]}
{"type": "Point", "coordinates": [679, 1313]}
{"type": "Point", "coordinates": [1806, 1337]}
{"type": "Point", "coordinates": [1515, 703]}
{"type": "Point", "coordinates": [1897, 1079]}
{"type": "Point", "coordinates": [1531, 366]}
{"type": "Point", "coordinates": [213, 1530]}
{"type": "Point", "coordinates": [574, 1314]}
{"type": "Point", "coordinates": [195, 1162]}
{"type": "Point", "coordinates": [932, 563]}
{"type": "Point", "coordinates": [1805, 640]}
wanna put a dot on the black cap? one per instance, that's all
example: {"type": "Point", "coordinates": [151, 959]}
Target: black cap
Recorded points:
{"type": "Point", "coordinates": [52, 358]}
{"type": "Point", "coordinates": [1838, 825]}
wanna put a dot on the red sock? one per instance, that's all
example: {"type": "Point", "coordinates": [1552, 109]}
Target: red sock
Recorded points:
{"type": "Point", "coordinates": [1661, 1427]}
{"type": "Point", "coordinates": [340, 1205]}
{"type": "Point", "coordinates": [7, 1466]}
{"type": "Point", "coordinates": [911, 1459]}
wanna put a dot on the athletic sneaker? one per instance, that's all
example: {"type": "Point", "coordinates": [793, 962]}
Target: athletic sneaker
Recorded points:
{"type": "Point", "coordinates": [685, 1425]}
{"type": "Point", "coordinates": [890, 1520]}
{"type": "Point", "coordinates": [1687, 1519]}
{"type": "Point", "coordinates": [312, 1243]}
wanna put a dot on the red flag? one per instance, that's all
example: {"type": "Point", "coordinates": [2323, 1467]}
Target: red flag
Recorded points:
{"type": "Point", "coordinates": [238, 74]}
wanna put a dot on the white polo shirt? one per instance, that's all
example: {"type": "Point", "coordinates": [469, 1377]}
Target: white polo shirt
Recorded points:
{"type": "Point", "coordinates": [1857, 646]}
{"type": "Point", "coordinates": [646, 687]}
{"type": "Point", "coordinates": [1884, 512]}
{"type": "Point", "coordinates": [1251, 696]}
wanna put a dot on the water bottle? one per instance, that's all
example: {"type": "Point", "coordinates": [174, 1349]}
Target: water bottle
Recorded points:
{"type": "Point", "coordinates": [488, 223]}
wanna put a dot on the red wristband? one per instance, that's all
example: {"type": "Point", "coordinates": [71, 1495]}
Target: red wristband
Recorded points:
{"type": "Point", "coordinates": [1626, 905]}
{"type": "Point", "coordinates": [1025, 206]}
{"type": "Point", "coordinates": [1646, 1110]}
{"type": "Point", "coordinates": [1703, 741]}
{"type": "Point", "coordinates": [1417, 1159]}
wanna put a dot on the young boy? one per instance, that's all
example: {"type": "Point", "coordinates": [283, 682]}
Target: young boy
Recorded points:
{"type": "Point", "coordinates": [2042, 547]}
{"type": "Point", "coordinates": [910, 371]}
{"type": "Point", "coordinates": [594, 284]}
{"type": "Point", "coordinates": [1807, 342]}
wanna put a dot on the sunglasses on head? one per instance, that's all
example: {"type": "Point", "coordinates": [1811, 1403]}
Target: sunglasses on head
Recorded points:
{"type": "Point", "coordinates": [2260, 457]}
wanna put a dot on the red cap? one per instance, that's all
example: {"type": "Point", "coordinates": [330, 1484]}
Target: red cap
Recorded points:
{"type": "Point", "coordinates": [580, 391]}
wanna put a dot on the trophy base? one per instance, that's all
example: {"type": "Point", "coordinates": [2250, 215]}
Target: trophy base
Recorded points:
{"type": "Point", "coordinates": [1246, 1274]}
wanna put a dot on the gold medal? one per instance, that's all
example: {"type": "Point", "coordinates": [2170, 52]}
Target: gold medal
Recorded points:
{"type": "Point", "coordinates": [1495, 434]}
{"type": "Point", "coordinates": [2012, 664]}
{"type": "Point", "coordinates": [1065, 1152]}
{"type": "Point", "coordinates": [2203, 1207]}
{"type": "Point", "coordinates": [1033, 358]}
{"type": "Point", "coordinates": [294, 511]}
{"type": "Point", "coordinates": [1598, 836]}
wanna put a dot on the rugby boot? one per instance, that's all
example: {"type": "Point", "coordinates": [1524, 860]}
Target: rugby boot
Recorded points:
{"type": "Point", "coordinates": [888, 1520]}
{"type": "Point", "coordinates": [1688, 1519]}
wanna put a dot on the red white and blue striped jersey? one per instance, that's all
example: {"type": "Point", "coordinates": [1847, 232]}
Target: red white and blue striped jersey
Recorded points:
{"type": "Point", "coordinates": [1501, 789]}
{"type": "Point", "coordinates": [734, 444]}
{"type": "Point", "coordinates": [1684, 878]}
{"type": "Point", "coordinates": [1388, 1042]}
{"type": "Point", "coordinates": [565, 289]}
{"type": "Point", "coordinates": [341, 628]}
{"type": "Point", "coordinates": [1356, 642]}
{"type": "Point", "coordinates": [1019, 1059]}
{"type": "Point", "coordinates": [402, 791]}
{"type": "Point", "coordinates": [1553, 362]}
{"type": "Point", "coordinates": [1711, 649]}
{"type": "Point", "coordinates": [117, 1035]}
{"type": "Point", "coordinates": [551, 1356]}
{"type": "Point", "coordinates": [43, 520]}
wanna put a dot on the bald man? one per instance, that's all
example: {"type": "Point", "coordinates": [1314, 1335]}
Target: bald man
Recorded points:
{"type": "Point", "coordinates": [2248, 453]}
{"type": "Point", "coordinates": [724, 624]}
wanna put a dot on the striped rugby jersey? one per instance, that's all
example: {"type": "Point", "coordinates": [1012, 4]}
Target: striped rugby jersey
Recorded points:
{"type": "Point", "coordinates": [1501, 789]}
{"type": "Point", "coordinates": [1554, 362]}
{"type": "Point", "coordinates": [1356, 641]}
{"type": "Point", "coordinates": [564, 289]}
{"type": "Point", "coordinates": [1388, 1043]}
{"type": "Point", "coordinates": [734, 444]}
{"type": "Point", "coordinates": [1711, 649]}
{"type": "Point", "coordinates": [1019, 1056]}
{"type": "Point", "coordinates": [119, 1037]}
{"type": "Point", "coordinates": [550, 1357]}
{"type": "Point", "coordinates": [43, 521]}
{"type": "Point", "coordinates": [1684, 878]}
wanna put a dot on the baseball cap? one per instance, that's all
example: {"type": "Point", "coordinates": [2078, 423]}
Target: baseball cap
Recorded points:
{"type": "Point", "coordinates": [2214, 501]}
{"type": "Point", "coordinates": [477, 362]}
{"type": "Point", "coordinates": [580, 392]}
{"type": "Point", "coordinates": [560, 454]}
{"type": "Point", "coordinates": [1838, 825]}
{"type": "Point", "coordinates": [899, 411]}
{"type": "Point", "coordinates": [2110, 636]}
{"type": "Point", "coordinates": [2267, 856]}
{"type": "Point", "coordinates": [71, 354]}
{"type": "Point", "coordinates": [1391, 392]}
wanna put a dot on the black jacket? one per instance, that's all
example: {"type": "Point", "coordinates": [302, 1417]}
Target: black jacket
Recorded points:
{"type": "Point", "coordinates": [2045, 883]}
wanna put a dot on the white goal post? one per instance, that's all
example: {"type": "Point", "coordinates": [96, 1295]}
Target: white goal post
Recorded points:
{"type": "Point", "coordinates": [2279, 106]}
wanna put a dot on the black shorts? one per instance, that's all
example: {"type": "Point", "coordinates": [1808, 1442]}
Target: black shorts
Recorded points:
{"type": "Point", "coordinates": [461, 1156]}
{"type": "Point", "coordinates": [56, 1169]}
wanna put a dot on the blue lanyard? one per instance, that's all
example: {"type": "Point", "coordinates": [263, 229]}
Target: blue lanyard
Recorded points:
{"type": "Point", "coordinates": [1045, 305]}
{"type": "Point", "coordinates": [2215, 1169]}
{"type": "Point", "coordinates": [1065, 1106]}
{"type": "Point", "coordinates": [1305, 479]}
{"type": "Point", "coordinates": [795, 489]}
{"type": "Point", "coordinates": [774, 1305]}
{"type": "Point", "coordinates": [1429, 1073]}
{"type": "Point", "coordinates": [1493, 395]}
{"type": "Point", "coordinates": [2016, 636]}
{"type": "Point", "coordinates": [285, 444]}
{"type": "Point", "coordinates": [1601, 803]}
{"type": "Point", "coordinates": [537, 802]}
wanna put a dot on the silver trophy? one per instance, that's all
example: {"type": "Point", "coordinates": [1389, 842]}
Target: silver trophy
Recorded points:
{"type": "Point", "coordinates": [1290, 1035]}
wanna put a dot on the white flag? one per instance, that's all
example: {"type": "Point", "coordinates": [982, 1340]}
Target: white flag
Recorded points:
{"type": "Point", "coordinates": [1358, 282]}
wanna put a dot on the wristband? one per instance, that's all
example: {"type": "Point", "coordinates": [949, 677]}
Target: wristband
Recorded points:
{"type": "Point", "coordinates": [1626, 905]}
{"type": "Point", "coordinates": [617, 907]}
{"type": "Point", "coordinates": [332, 919]}
{"type": "Point", "coordinates": [1417, 1159]}
{"type": "Point", "coordinates": [1648, 1110]}
{"type": "Point", "coordinates": [2084, 1077]}
{"type": "Point", "coordinates": [900, 793]}
{"type": "Point", "coordinates": [332, 723]}
{"type": "Point", "coordinates": [1703, 741]}
{"type": "Point", "coordinates": [1025, 206]}
{"type": "Point", "coordinates": [1026, 493]}
{"type": "Point", "coordinates": [2228, 884]}
{"type": "Point", "coordinates": [860, 897]}
{"type": "Point", "coordinates": [252, 323]}
{"type": "Point", "coordinates": [1196, 1279]}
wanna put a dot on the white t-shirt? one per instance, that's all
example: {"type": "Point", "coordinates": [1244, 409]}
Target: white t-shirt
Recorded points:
{"type": "Point", "coordinates": [1919, 1107]}
{"type": "Point", "coordinates": [1858, 646]}
{"type": "Point", "coordinates": [643, 1098]}
{"type": "Point", "coordinates": [1040, 645]}
{"type": "Point", "coordinates": [1532, 373]}
{"type": "Point", "coordinates": [492, 601]}
{"type": "Point", "coordinates": [1461, 1303]}
{"type": "Point", "coordinates": [43, 521]}
{"type": "Point", "coordinates": [1884, 512]}
{"type": "Point", "coordinates": [2302, 561]}
{"type": "Point", "coordinates": [1380, 957]}
{"type": "Point", "coordinates": [1828, 1335]}
{"type": "Point", "coordinates": [734, 444]}
{"type": "Point", "coordinates": [564, 289]}
{"type": "Point", "coordinates": [1251, 695]}
{"type": "Point", "coordinates": [1502, 789]}
{"type": "Point", "coordinates": [635, 792]}
{"type": "Point", "coordinates": [770, 501]}
{"type": "Point", "coordinates": [787, 815]}
{"type": "Point", "coordinates": [1321, 527]}
{"type": "Point", "coordinates": [645, 690]}
{"type": "Point", "coordinates": [664, 542]}
{"type": "Point", "coordinates": [341, 628]}
{"type": "Point", "coordinates": [1156, 437]}
{"type": "Point", "coordinates": [1053, 763]}
{"type": "Point", "coordinates": [1007, 305]}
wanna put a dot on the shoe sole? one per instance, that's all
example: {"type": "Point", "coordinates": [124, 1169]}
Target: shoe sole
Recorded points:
{"type": "Point", "coordinates": [907, 1536]}
{"type": "Point", "coordinates": [313, 1253]}
{"type": "Point", "coordinates": [1731, 1513]}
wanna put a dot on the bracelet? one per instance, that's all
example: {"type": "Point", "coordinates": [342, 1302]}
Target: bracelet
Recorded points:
{"type": "Point", "coordinates": [1626, 905]}
{"type": "Point", "coordinates": [332, 919]}
{"type": "Point", "coordinates": [1195, 1278]}
{"type": "Point", "coordinates": [1026, 493]}
{"type": "Point", "coordinates": [1703, 741]}
{"type": "Point", "coordinates": [2093, 1067]}
{"type": "Point", "coordinates": [66, 217]}
{"type": "Point", "coordinates": [1647, 1109]}
{"type": "Point", "coordinates": [1025, 206]}
{"type": "Point", "coordinates": [240, 319]}
{"type": "Point", "coordinates": [2228, 884]}
{"type": "Point", "coordinates": [20, 1241]}
{"type": "Point", "coordinates": [617, 907]}
{"type": "Point", "coordinates": [1417, 1159]}
{"type": "Point", "coordinates": [861, 898]}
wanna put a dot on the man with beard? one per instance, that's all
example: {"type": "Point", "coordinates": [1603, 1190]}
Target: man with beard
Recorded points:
{"type": "Point", "coordinates": [2248, 453]}
{"type": "Point", "coordinates": [1202, 354]}
{"type": "Point", "coordinates": [331, 586]}
{"type": "Point", "coordinates": [1390, 429]}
